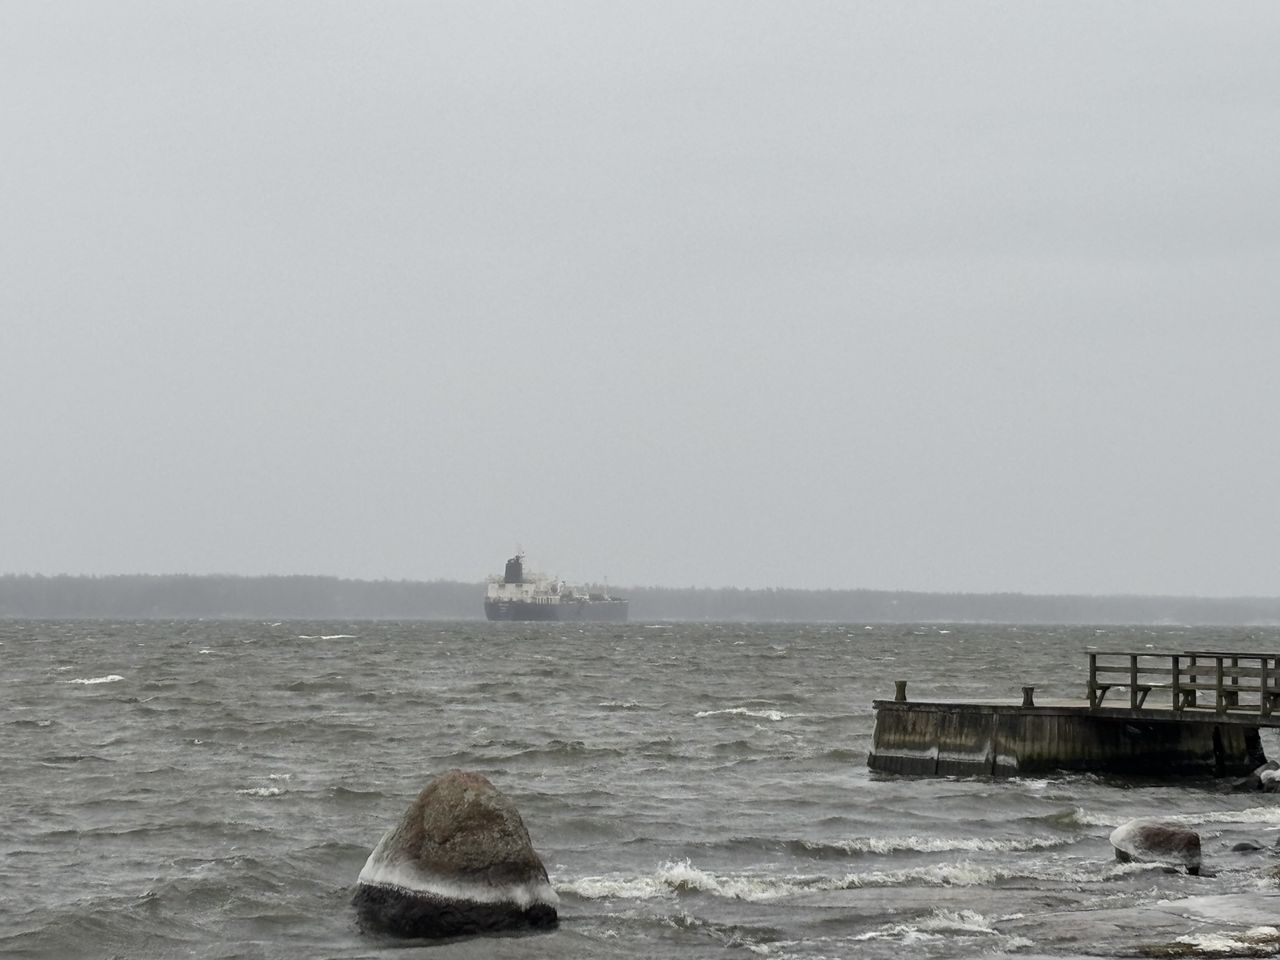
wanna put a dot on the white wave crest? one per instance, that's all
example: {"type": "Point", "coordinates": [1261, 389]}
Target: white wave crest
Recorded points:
{"type": "Point", "coordinates": [746, 712]}
{"type": "Point", "coordinates": [967, 874]}
{"type": "Point", "coordinates": [903, 932]}
{"type": "Point", "coordinates": [933, 926]}
{"type": "Point", "coordinates": [916, 844]}
{"type": "Point", "coordinates": [1235, 944]}
{"type": "Point", "coordinates": [110, 678]}
{"type": "Point", "coordinates": [1087, 818]}
{"type": "Point", "coordinates": [261, 792]}
{"type": "Point", "coordinates": [1248, 815]}
{"type": "Point", "coordinates": [963, 874]}
{"type": "Point", "coordinates": [614, 888]}
{"type": "Point", "coordinates": [683, 877]}
{"type": "Point", "coordinates": [679, 877]}
{"type": "Point", "coordinates": [968, 921]}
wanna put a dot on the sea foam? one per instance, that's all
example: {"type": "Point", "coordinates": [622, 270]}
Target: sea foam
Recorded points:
{"type": "Point", "coordinates": [679, 876]}
{"type": "Point", "coordinates": [110, 678]}
{"type": "Point", "coordinates": [1247, 815]}
{"type": "Point", "coordinates": [910, 844]}
{"type": "Point", "coordinates": [1256, 941]}
{"type": "Point", "coordinates": [933, 926]}
{"type": "Point", "coordinates": [746, 712]}
{"type": "Point", "coordinates": [683, 877]}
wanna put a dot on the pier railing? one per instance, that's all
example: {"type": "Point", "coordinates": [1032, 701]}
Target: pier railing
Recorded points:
{"type": "Point", "coordinates": [1203, 680]}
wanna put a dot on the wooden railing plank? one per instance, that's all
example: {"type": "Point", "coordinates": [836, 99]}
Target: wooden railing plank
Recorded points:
{"type": "Point", "coordinates": [1152, 671]}
{"type": "Point", "coordinates": [1240, 682]}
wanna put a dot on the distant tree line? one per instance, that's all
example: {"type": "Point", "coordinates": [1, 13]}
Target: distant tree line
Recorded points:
{"type": "Point", "coordinates": [231, 597]}
{"type": "Point", "coordinates": [889, 606]}
{"type": "Point", "coordinates": [331, 598]}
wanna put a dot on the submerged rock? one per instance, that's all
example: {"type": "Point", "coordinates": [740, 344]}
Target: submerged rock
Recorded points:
{"type": "Point", "coordinates": [1149, 841]}
{"type": "Point", "coordinates": [1265, 777]}
{"type": "Point", "coordinates": [459, 862]}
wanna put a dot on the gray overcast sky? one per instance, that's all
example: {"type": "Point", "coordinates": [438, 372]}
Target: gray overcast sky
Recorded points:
{"type": "Point", "coordinates": [944, 296]}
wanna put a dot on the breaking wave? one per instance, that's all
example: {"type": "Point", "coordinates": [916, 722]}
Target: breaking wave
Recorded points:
{"type": "Point", "coordinates": [942, 924]}
{"type": "Point", "coordinates": [760, 714]}
{"type": "Point", "coordinates": [915, 844]}
{"type": "Point", "coordinates": [1089, 818]}
{"type": "Point", "coordinates": [1254, 942]}
{"type": "Point", "coordinates": [940, 921]}
{"type": "Point", "coordinates": [682, 877]}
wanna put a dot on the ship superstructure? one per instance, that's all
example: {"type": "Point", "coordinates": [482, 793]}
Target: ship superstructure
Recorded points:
{"type": "Point", "coordinates": [521, 595]}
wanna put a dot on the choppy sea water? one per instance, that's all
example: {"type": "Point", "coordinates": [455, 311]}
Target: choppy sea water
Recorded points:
{"type": "Point", "coordinates": [212, 789]}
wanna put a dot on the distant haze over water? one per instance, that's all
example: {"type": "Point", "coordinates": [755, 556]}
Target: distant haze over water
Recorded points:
{"type": "Point", "coordinates": [309, 596]}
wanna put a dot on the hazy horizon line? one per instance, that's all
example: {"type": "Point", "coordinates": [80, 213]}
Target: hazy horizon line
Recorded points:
{"type": "Point", "coordinates": [615, 586]}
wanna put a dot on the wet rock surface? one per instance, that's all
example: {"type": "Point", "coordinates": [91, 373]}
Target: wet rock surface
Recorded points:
{"type": "Point", "coordinates": [458, 863]}
{"type": "Point", "coordinates": [1247, 846]}
{"type": "Point", "coordinates": [1150, 841]}
{"type": "Point", "coordinates": [1265, 778]}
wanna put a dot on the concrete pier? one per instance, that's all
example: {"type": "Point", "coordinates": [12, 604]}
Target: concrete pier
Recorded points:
{"type": "Point", "coordinates": [973, 739]}
{"type": "Point", "coordinates": [1217, 702]}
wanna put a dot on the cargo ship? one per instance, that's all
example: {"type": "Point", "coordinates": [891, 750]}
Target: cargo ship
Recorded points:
{"type": "Point", "coordinates": [517, 595]}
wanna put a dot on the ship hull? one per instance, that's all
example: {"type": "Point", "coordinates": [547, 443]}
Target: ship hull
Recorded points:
{"type": "Point", "coordinates": [590, 611]}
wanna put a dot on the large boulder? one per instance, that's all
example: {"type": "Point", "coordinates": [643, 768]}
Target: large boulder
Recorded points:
{"type": "Point", "coordinates": [458, 863]}
{"type": "Point", "coordinates": [1149, 841]}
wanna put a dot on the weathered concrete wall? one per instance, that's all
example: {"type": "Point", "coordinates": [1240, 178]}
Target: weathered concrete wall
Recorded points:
{"type": "Point", "coordinates": [933, 739]}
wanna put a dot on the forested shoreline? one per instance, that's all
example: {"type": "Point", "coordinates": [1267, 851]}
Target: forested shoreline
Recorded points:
{"type": "Point", "coordinates": [156, 596]}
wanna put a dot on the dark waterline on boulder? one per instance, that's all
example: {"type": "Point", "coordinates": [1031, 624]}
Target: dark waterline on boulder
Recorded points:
{"type": "Point", "coordinates": [459, 862]}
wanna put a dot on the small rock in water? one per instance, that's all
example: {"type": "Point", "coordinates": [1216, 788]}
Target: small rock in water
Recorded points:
{"type": "Point", "coordinates": [1270, 780]}
{"type": "Point", "coordinates": [1149, 841]}
{"type": "Point", "coordinates": [459, 862]}
{"type": "Point", "coordinates": [1246, 846]}
{"type": "Point", "coordinates": [1265, 777]}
